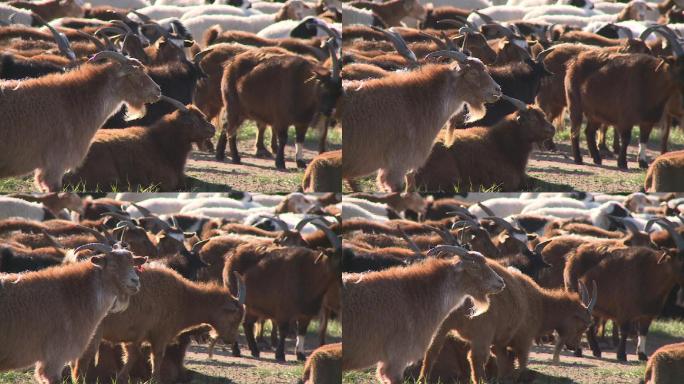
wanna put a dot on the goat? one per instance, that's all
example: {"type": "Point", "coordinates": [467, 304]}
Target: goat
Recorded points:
{"type": "Point", "coordinates": [370, 110]}
{"type": "Point", "coordinates": [84, 291]}
{"type": "Point", "coordinates": [154, 155]}
{"type": "Point", "coordinates": [391, 12]}
{"type": "Point", "coordinates": [457, 161]}
{"type": "Point", "coordinates": [324, 173]}
{"type": "Point", "coordinates": [371, 299]}
{"type": "Point", "coordinates": [324, 365]}
{"type": "Point", "coordinates": [665, 173]}
{"type": "Point", "coordinates": [665, 366]}
{"type": "Point", "coordinates": [94, 93]}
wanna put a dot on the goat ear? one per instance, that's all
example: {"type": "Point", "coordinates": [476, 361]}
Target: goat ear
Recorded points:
{"type": "Point", "coordinates": [139, 260]}
{"type": "Point", "coordinates": [188, 43]}
{"type": "Point", "coordinates": [99, 261]}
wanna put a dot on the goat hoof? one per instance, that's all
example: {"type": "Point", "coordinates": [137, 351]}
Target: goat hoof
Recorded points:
{"type": "Point", "coordinates": [301, 164]}
{"type": "Point", "coordinates": [577, 352]}
{"type": "Point", "coordinates": [622, 357]}
{"type": "Point", "coordinates": [236, 160]}
{"type": "Point", "coordinates": [255, 354]}
{"type": "Point", "coordinates": [643, 164]}
{"type": "Point", "coordinates": [622, 166]}
{"type": "Point", "coordinates": [597, 160]}
{"type": "Point", "coordinates": [236, 352]}
{"type": "Point", "coordinates": [301, 356]}
{"type": "Point", "coordinates": [263, 153]}
{"type": "Point", "coordinates": [643, 357]}
{"type": "Point", "coordinates": [280, 166]}
{"type": "Point", "coordinates": [597, 354]}
{"type": "Point", "coordinates": [280, 356]}
{"type": "Point", "coordinates": [220, 156]}
{"type": "Point", "coordinates": [579, 161]}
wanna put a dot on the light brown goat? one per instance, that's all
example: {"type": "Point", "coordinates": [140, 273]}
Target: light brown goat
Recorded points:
{"type": "Point", "coordinates": [666, 173]}
{"type": "Point", "coordinates": [50, 121]}
{"type": "Point", "coordinates": [372, 299]}
{"type": "Point", "coordinates": [666, 365]}
{"type": "Point", "coordinates": [75, 297]}
{"type": "Point", "coordinates": [394, 134]}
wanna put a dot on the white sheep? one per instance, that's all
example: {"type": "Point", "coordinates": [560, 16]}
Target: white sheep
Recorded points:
{"type": "Point", "coordinates": [125, 4]}
{"type": "Point", "coordinates": [13, 207]}
{"type": "Point", "coordinates": [21, 16]}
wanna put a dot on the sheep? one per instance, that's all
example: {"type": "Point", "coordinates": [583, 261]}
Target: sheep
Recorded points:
{"type": "Point", "coordinates": [143, 156]}
{"type": "Point", "coordinates": [457, 161]}
{"type": "Point", "coordinates": [581, 75]}
{"type": "Point", "coordinates": [18, 16]}
{"type": "Point", "coordinates": [295, 29]}
{"type": "Point", "coordinates": [560, 10]}
{"type": "Point", "coordinates": [292, 9]}
{"type": "Point", "coordinates": [165, 305]}
{"type": "Point", "coordinates": [393, 11]}
{"type": "Point", "coordinates": [324, 365]}
{"type": "Point", "coordinates": [370, 109]}
{"type": "Point", "coordinates": [311, 276]}
{"type": "Point", "coordinates": [51, 9]}
{"type": "Point", "coordinates": [127, 4]}
{"type": "Point", "coordinates": [618, 270]}
{"type": "Point", "coordinates": [665, 173]}
{"type": "Point", "coordinates": [540, 311]}
{"type": "Point", "coordinates": [14, 207]}
{"type": "Point", "coordinates": [214, 9]}
{"type": "Point", "coordinates": [324, 173]}
{"type": "Point", "coordinates": [255, 76]}
{"type": "Point", "coordinates": [73, 120]}
{"type": "Point", "coordinates": [665, 365]}
{"type": "Point", "coordinates": [371, 299]}
{"type": "Point", "coordinates": [75, 297]}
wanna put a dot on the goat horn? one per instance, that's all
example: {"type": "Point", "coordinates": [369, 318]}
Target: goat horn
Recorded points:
{"type": "Point", "coordinates": [594, 297]}
{"type": "Point", "coordinates": [332, 237]}
{"type": "Point", "coordinates": [60, 38]}
{"type": "Point", "coordinates": [143, 210]}
{"type": "Point", "coordinates": [448, 238]}
{"type": "Point", "coordinates": [486, 18]}
{"type": "Point", "coordinates": [159, 221]}
{"type": "Point", "coordinates": [504, 30]}
{"type": "Point", "coordinates": [540, 247]}
{"type": "Point", "coordinates": [99, 236]}
{"type": "Point", "coordinates": [200, 55]}
{"type": "Point", "coordinates": [279, 222]}
{"type": "Point", "coordinates": [542, 55]}
{"type": "Point", "coordinates": [198, 246]}
{"type": "Point", "coordinates": [334, 60]}
{"type": "Point", "coordinates": [649, 224]}
{"type": "Point", "coordinates": [455, 20]}
{"type": "Point", "coordinates": [411, 244]}
{"type": "Point", "coordinates": [460, 56]}
{"type": "Point", "coordinates": [109, 55]}
{"type": "Point", "coordinates": [434, 39]}
{"type": "Point", "coordinates": [676, 237]}
{"type": "Point", "coordinates": [515, 102]}
{"type": "Point", "coordinates": [486, 209]}
{"type": "Point", "coordinates": [116, 215]}
{"type": "Point", "coordinates": [466, 30]}
{"type": "Point", "coordinates": [175, 222]}
{"type": "Point", "coordinates": [122, 25]}
{"type": "Point", "coordinates": [141, 16]}
{"type": "Point", "coordinates": [175, 103]}
{"type": "Point", "coordinates": [93, 39]}
{"type": "Point", "coordinates": [305, 221]}
{"type": "Point", "coordinates": [461, 212]}
{"type": "Point", "coordinates": [104, 248]}
{"type": "Point", "coordinates": [628, 224]}
{"type": "Point", "coordinates": [449, 43]}
{"type": "Point", "coordinates": [158, 27]}
{"type": "Point", "coordinates": [53, 242]}
{"type": "Point", "coordinates": [459, 251]}
{"type": "Point", "coordinates": [505, 224]}
{"type": "Point", "coordinates": [670, 36]}
{"type": "Point", "coordinates": [399, 44]}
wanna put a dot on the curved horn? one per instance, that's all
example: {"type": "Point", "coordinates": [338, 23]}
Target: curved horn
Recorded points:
{"type": "Point", "coordinates": [143, 210]}
{"type": "Point", "coordinates": [242, 290]}
{"type": "Point", "coordinates": [60, 38]}
{"type": "Point", "coordinates": [53, 242]}
{"type": "Point", "coordinates": [459, 251]}
{"type": "Point", "coordinates": [486, 18]}
{"type": "Point", "coordinates": [515, 102]}
{"type": "Point", "coordinates": [434, 39]}
{"type": "Point", "coordinates": [116, 215]}
{"type": "Point", "coordinates": [542, 55]}
{"type": "Point", "coordinates": [505, 224]}
{"type": "Point", "coordinates": [629, 225]}
{"type": "Point", "coordinates": [667, 33]}
{"type": "Point", "coordinates": [334, 60]}
{"type": "Point", "coordinates": [498, 27]}
{"type": "Point", "coordinates": [461, 212]}
{"type": "Point", "coordinates": [460, 56]}
{"type": "Point", "coordinates": [324, 27]}
{"type": "Point", "coordinates": [486, 209]}
{"type": "Point", "coordinates": [466, 30]}
{"type": "Point", "coordinates": [122, 25]}
{"type": "Point", "coordinates": [448, 238]}
{"type": "Point", "coordinates": [200, 55]}
{"type": "Point", "coordinates": [411, 244]}
{"type": "Point", "coordinates": [93, 39]}
{"type": "Point", "coordinates": [457, 21]}
{"type": "Point", "coordinates": [303, 222]}
{"type": "Point", "coordinates": [104, 248]}
{"type": "Point", "coordinates": [332, 237]}
{"type": "Point", "coordinates": [100, 56]}
{"type": "Point", "coordinates": [594, 297]}
{"type": "Point", "coordinates": [159, 221]}
{"type": "Point", "coordinates": [99, 236]}
{"type": "Point", "coordinates": [676, 237]}
{"type": "Point", "coordinates": [175, 103]}
{"type": "Point", "coordinates": [198, 246]}
{"type": "Point", "coordinates": [399, 44]}
{"type": "Point", "coordinates": [141, 16]}
{"type": "Point", "coordinates": [540, 247]}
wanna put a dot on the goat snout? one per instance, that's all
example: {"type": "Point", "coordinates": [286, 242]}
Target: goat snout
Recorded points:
{"type": "Point", "coordinates": [498, 285]}
{"type": "Point", "coordinates": [134, 285]}
{"type": "Point", "coordinates": [495, 95]}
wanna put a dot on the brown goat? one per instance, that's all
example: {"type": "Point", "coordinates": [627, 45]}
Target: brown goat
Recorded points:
{"type": "Point", "coordinates": [165, 305]}
{"type": "Point", "coordinates": [324, 173]}
{"type": "Point", "coordinates": [372, 299]}
{"type": "Point", "coordinates": [269, 295]}
{"type": "Point", "coordinates": [394, 134]}
{"type": "Point", "coordinates": [51, 9]}
{"type": "Point", "coordinates": [140, 157]}
{"type": "Point", "coordinates": [77, 104]}
{"type": "Point", "coordinates": [483, 157]}
{"type": "Point", "coordinates": [666, 365]}
{"type": "Point", "coordinates": [278, 90]}
{"type": "Point", "coordinates": [324, 365]}
{"type": "Point", "coordinates": [75, 297]}
{"type": "Point", "coordinates": [391, 12]}
{"type": "Point", "coordinates": [624, 299]}
{"type": "Point", "coordinates": [666, 173]}
{"type": "Point", "coordinates": [540, 311]}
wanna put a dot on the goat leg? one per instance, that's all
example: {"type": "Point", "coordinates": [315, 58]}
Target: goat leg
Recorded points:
{"type": "Point", "coordinates": [248, 326]}
{"type": "Point", "coordinates": [302, 326]}
{"type": "Point", "coordinates": [282, 141]}
{"type": "Point", "coordinates": [641, 341]}
{"type": "Point", "coordinates": [261, 150]}
{"type": "Point", "coordinates": [626, 138]}
{"type": "Point", "coordinates": [624, 332]}
{"type": "Point", "coordinates": [299, 145]}
{"type": "Point", "coordinates": [283, 329]}
{"type": "Point", "coordinates": [590, 132]}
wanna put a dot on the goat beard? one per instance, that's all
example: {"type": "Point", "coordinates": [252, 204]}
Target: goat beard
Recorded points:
{"type": "Point", "coordinates": [475, 112]}
{"type": "Point", "coordinates": [134, 112]}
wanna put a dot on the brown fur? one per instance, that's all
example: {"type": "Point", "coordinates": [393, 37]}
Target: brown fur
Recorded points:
{"type": "Point", "coordinates": [372, 108]}
{"type": "Point", "coordinates": [371, 299]}
{"type": "Point", "coordinates": [51, 9]}
{"type": "Point", "coordinates": [139, 157]}
{"type": "Point", "coordinates": [74, 297]}
{"type": "Point", "coordinates": [666, 173]}
{"type": "Point", "coordinates": [666, 365]}
{"type": "Point", "coordinates": [324, 173]}
{"type": "Point", "coordinates": [77, 104]}
{"type": "Point", "coordinates": [482, 157]}
{"type": "Point", "coordinates": [391, 12]}
{"type": "Point", "coordinates": [324, 365]}
{"type": "Point", "coordinates": [166, 305]}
